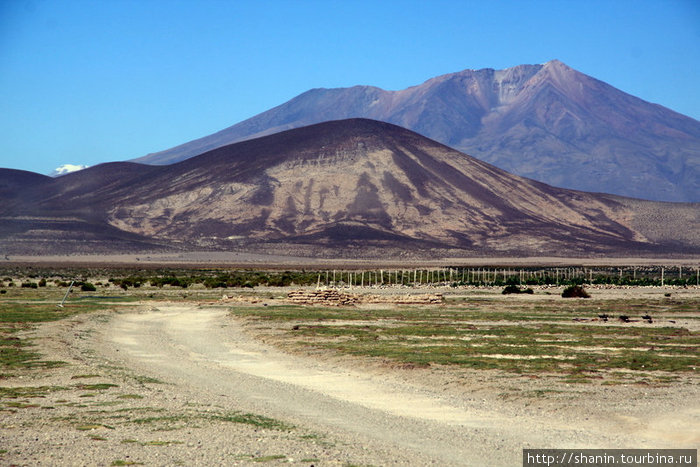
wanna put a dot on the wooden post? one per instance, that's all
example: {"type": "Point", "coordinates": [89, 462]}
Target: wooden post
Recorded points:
{"type": "Point", "coordinates": [662, 277]}
{"type": "Point", "coordinates": [70, 287]}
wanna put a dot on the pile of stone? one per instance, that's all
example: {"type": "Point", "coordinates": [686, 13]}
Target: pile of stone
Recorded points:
{"type": "Point", "coordinates": [240, 299]}
{"type": "Point", "coordinates": [328, 297]}
{"type": "Point", "coordinates": [333, 297]}
{"type": "Point", "coordinates": [423, 299]}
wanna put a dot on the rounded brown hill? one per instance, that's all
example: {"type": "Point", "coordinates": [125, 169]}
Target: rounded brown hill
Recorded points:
{"type": "Point", "coordinates": [355, 182]}
{"type": "Point", "coordinates": [361, 179]}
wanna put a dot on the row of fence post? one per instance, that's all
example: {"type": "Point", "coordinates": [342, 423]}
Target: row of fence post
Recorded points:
{"type": "Point", "coordinates": [492, 276]}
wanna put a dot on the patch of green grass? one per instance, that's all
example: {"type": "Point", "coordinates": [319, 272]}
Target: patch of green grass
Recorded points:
{"type": "Point", "coordinates": [147, 380]}
{"type": "Point", "coordinates": [97, 386]}
{"type": "Point", "coordinates": [20, 405]}
{"type": "Point", "coordinates": [161, 419]}
{"type": "Point", "coordinates": [268, 458]}
{"type": "Point", "coordinates": [28, 391]}
{"type": "Point", "coordinates": [181, 420]}
{"type": "Point", "coordinates": [22, 313]}
{"type": "Point", "coordinates": [252, 419]}
{"type": "Point", "coordinates": [120, 462]}
{"type": "Point", "coordinates": [129, 396]}
{"type": "Point", "coordinates": [517, 336]}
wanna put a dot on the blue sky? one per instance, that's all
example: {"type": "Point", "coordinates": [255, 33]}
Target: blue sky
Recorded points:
{"type": "Point", "coordinates": [85, 82]}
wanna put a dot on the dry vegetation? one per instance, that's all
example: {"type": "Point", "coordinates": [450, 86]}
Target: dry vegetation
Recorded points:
{"type": "Point", "coordinates": [639, 337]}
{"type": "Point", "coordinates": [612, 340]}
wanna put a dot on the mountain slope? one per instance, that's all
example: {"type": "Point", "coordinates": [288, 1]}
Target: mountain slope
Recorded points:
{"type": "Point", "coordinates": [345, 186]}
{"type": "Point", "coordinates": [547, 122]}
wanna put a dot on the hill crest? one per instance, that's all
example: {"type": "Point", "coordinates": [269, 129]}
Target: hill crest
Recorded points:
{"type": "Point", "coordinates": [547, 122]}
{"type": "Point", "coordinates": [340, 187]}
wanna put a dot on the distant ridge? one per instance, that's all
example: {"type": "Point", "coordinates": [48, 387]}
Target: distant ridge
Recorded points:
{"type": "Point", "coordinates": [548, 122]}
{"type": "Point", "coordinates": [347, 188]}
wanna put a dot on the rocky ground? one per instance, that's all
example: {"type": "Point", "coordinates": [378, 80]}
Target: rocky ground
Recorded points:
{"type": "Point", "coordinates": [184, 384]}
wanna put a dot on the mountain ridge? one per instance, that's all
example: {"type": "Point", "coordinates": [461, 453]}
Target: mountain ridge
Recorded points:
{"type": "Point", "coordinates": [547, 122]}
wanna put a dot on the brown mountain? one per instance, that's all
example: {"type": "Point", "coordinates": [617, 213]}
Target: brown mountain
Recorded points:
{"type": "Point", "coordinates": [336, 188]}
{"type": "Point", "coordinates": [547, 122]}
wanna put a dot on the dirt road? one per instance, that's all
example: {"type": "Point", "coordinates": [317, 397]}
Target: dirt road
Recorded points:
{"type": "Point", "coordinates": [206, 351]}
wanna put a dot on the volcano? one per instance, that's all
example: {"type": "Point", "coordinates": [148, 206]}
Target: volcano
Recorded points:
{"type": "Point", "coordinates": [547, 122]}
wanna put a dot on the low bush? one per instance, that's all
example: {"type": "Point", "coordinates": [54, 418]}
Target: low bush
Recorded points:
{"type": "Point", "coordinates": [88, 287]}
{"type": "Point", "coordinates": [575, 291]}
{"type": "Point", "coordinates": [515, 289]}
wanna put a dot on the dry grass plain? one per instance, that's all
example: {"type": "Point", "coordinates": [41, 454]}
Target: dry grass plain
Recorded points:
{"type": "Point", "coordinates": [70, 397]}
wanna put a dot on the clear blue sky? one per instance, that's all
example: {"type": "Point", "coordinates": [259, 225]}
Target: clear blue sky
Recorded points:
{"type": "Point", "coordinates": [85, 82]}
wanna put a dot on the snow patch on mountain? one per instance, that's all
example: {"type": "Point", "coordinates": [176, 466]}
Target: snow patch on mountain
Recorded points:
{"type": "Point", "coordinates": [66, 169]}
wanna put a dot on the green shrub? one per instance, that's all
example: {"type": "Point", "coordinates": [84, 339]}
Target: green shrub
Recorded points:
{"type": "Point", "coordinates": [88, 287]}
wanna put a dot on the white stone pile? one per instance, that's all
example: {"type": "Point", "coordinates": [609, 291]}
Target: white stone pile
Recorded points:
{"type": "Point", "coordinates": [333, 297]}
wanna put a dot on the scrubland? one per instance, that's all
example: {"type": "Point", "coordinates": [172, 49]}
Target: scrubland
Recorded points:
{"type": "Point", "coordinates": [167, 373]}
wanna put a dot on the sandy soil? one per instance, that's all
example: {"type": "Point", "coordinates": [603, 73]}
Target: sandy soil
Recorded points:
{"type": "Point", "coordinates": [247, 259]}
{"type": "Point", "coordinates": [344, 411]}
